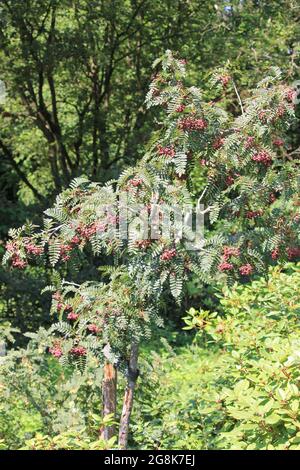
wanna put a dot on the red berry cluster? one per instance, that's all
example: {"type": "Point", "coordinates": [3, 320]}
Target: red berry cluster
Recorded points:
{"type": "Point", "coordinates": [86, 231]}
{"type": "Point", "coordinates": [218, 143]}
{"type": "Point", "coordinates": [55, 351]}
{"type": "Point", "coordinates": [229, 180]}
{"type": "Point", "coordinates": [72, 316]}
{"type": "Point", "coordinates": [167, 255]}
{"type": "Point", "coordinates": [275, 253]}
{"type": "Point", "coordinates": [75, 240]}
{"type": "Point", "coordinates": [167, 151]}
{"type": "Point", "coordinates": [293, 252]}
{"type": "Point", "coordinates": [180, 108]}
{"type": "Point", "coordinates": [250, 142]}
{"type": "Point", "coordinates": [262, 157]}
{"type": "Point", "coordinates": [11, 247]}
{"type": "Point", "coordinates": [19, 263]}
{"type": "Point", "coordinates": [190, 124]}
{"type": "Point", "coordinates": [278, 142]}
{"type": "Point", "coordinates": [143, 244]}
{"type": "Point", "coordinates": [78, 351]}
{"type": "Point", "coordinates": [224, 79]}
{"type": "Point", "coordinates": [16, 260]}
{"type": "Point", "coordinates": [56, 296]}
{"type": "Point", "coordinates": [229, 251]}
{"type": "Point", "coordinates": [262, 116]}
{"type": "Point", "coordinates": [136, 182]}
{"type": "Point", "coordinates": [253, 214]}
{"type": "Point", "coordinates": [92, 328]}
{"type": "Point", "coordinates": [246, 269]}
{"type": "Point", "coordinates": [291, 94]}
{"type": "Point", "coordinates": [280, 111]}
{"type": "Point", "coordinates": [64, 251]}
{"type": "Point", "coordinates": [33, 249]}
{"type": "Point", "coordinates": [225, 266]}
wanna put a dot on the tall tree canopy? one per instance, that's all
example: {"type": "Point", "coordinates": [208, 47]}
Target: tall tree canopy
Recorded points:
{"type": "Point", "coordinates": [76, 75]}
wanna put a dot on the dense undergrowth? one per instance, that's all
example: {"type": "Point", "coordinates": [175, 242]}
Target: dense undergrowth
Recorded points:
{"type": "Point", "coordinates": [233, 385]}
{"type": "Point", "coordinates": [237, 386]}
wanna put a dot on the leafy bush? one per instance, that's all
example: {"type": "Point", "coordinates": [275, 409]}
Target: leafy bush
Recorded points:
{"type": "Point", "coordinates": [42, 400]}
{"type": "Point", "coordinates": [238, 386]}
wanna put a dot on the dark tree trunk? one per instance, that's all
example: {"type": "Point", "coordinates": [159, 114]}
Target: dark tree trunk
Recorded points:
{"type": "Point", "coordinates": [128, 397]}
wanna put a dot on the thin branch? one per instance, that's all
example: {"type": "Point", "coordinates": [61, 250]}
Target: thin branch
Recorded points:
{"type": "Point", "coordinates": [238, 97]}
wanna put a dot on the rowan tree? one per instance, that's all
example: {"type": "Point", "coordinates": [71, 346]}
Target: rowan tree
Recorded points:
{"type": "Point", "coordinates": [250, 203]}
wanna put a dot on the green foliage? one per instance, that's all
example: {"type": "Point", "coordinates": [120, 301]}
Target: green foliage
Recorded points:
{"type": "Point", "coordinates": [41, 398]}
{"type": "Point", "coordinates": [74, 439]}
{"type": "Point", "coordinates": [21, 301]}
{"type": "Point", "coordinates": [68, 441]}
{"type": "Point", "coordinates": [52, 132]}
{"type": "Point", "coordinates": [237, 387]}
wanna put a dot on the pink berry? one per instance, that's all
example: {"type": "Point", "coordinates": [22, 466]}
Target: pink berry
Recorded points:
{"type": "Point", "coordinates": [18, 263]}
{"type": "Point", "coordinates": [224, 79]}
{"type": "Point", "coordinates": [249, 142]}
{"type": "Point", "coordinates": [166, 151]}
{"type": "Point", "coordinates": [262, 157]}
{"type": "Point", "coordinates": [278, 142]}
{"type": "Point", "coordinates": [93, 328]}
{"type": "Point", "coordinates": [293, 252]}
{"type": "Point", "coordinates": [290, 94]}
{"type": "Point", "coordinates": [167, 255]}
{"type": "Point", "coordinates": [225, 266]}
{"type": "Point", "coordinates": [218, 143]}
{"type": "Point", "coordinates": [190, 124]}
{"type": "Point", "coordinates": [143, 244]}
{"type": "Point", "coordinates": [136, 182]}
{"type": "Point", "coordinates": [246, 269]}
{"type": "Point", "coordinates": [33, 249]}
{"type": "Point", "coordinates": [180, 108]}
{"type": "Point", "coordinates": [229, 251]}
{"type": "Point", "coordinates": [78, 351]}
{"type": "Point", "coordinates": [55, 351]}
{"type": "Point", "coordinates": [253, 214]}
{"type": "Point", "coordinates": [229, 180]}
{"type": "Point", "coordinates": [72, 316]}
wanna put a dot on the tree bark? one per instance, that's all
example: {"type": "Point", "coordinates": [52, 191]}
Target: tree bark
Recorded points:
{"type": "Point", "coordinates": [128, 397]}
{"type": "Point", "coordinates": [109, 396]}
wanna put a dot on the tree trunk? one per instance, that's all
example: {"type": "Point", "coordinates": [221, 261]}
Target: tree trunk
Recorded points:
{"type": "Point", "coordinates": [109, 396]}
{"type": "Point", "coordinates": [128, 396]}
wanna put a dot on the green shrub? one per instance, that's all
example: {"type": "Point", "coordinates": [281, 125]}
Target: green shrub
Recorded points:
{"type": "Point", "coordinates": [238, 386]}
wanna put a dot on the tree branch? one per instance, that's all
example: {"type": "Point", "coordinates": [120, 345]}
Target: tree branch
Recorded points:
{"type": "Point", "coordinates": [8, 154]}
